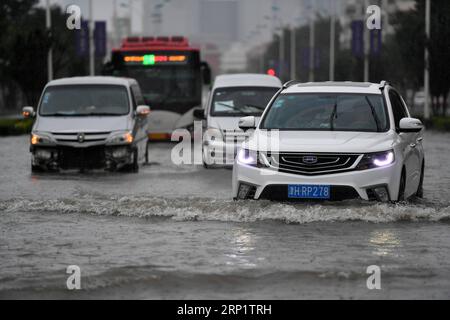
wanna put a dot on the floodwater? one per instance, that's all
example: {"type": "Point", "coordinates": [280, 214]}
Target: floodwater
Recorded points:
{"type": "Point", "coordinates": [173, 232]}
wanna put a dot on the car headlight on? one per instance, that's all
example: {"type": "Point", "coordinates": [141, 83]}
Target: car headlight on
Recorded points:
{"type": "Point", "coordinates": [38, 138]}
{"type": "Point", "coordinates": [122, 137]}
{"type": "Point", "coordinates": [376, 160]}
{"type": "Point", "coordinates": [253, 158]}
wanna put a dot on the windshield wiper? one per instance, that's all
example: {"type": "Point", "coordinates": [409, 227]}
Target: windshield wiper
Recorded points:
{"type": "Point", "coordinates": [374, 114]}
{"type": "Point", "coordinates": [233, 108]}
{"type": "Point", "coordinates": [254, 106]}
{"type": "Point", "coordinates": [333, 116]}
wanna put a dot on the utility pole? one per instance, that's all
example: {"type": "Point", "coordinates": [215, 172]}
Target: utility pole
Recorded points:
{"type": "Point", "coordinates": [312, 41]}
{"type": "Point", "coordinates": [91, 40]}
{"type": "Point", "coordinates": [131, 17]}
{"type": "Point", "coordinates": [48, 23]}
{"type": "Point", "coordinates": [293, 53]}
{"type": "Point", "coordinates": [332, 39]}
{"type": "Point", "coordinates": [281, 52]}
{"type": "Point", "coordinates": [366, 44]}
{"type": "Point", "coordinates": [427, 112]}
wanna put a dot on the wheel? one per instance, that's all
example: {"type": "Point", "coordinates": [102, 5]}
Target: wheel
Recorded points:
{"type": "Point", "coordinates": [146, 153]}
{"type": "Point", "coordinates": [419, 193]}
{"type": "Point", "coordinates": [133, 167]}
{"type": "Point", "coordinates": [402, 187]}
{"type": "Point", "coordinates": [36, 169]}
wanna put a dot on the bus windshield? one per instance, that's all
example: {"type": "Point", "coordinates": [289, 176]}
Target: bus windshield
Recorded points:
{"type": "Point", "coordinates": [166, 84]}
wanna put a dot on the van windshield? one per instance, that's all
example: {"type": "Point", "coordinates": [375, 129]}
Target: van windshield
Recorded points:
{"type": "Point", "coordinates": [85, 100]}
{"type": "Point", "coordinates": [328, 112]}
{"type": "Point", "coordinates": [241, 101]}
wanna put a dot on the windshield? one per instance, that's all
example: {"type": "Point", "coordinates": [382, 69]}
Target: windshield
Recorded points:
{"type": "Point", "coordinates": [236, 102]}
{"type": "Point", "coordinates": [85, 100]}
{"type": "Point", "coordinates": [167, 84]}
{"type": "Point", "coordinates": [327, 112]}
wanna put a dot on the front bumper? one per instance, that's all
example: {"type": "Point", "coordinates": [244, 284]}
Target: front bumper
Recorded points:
{"type": "Point", "coordinates": [93, 157]}
{"type": "Point", "coordinates": [270, 184]}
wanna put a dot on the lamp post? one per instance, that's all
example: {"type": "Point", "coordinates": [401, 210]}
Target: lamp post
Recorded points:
{"type": "Point", "coordinates": [91, 39]}
{"type": "Point", "coordinates": [427, 60]}
{"type": "Point", "coordinates": [332, 39]}
{"type": "Point", "coordinates": [48, 22]}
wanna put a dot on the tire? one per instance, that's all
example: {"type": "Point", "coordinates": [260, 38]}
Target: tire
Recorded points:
{"type": "Point", "coordinates": [419, 193]}
{"type": "Point", "coordinates": [402, 187]}
{"type": "Point", "coordinates": [147, 158]}
{"type": "Point", "coordinates": [133, 167]}
{"type": "Point", "coordinates": [36, 169]}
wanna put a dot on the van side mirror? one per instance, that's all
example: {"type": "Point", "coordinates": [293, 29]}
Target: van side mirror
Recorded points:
{"type": "Point", "coordinates": [247, 123]}
{"type": "Point", "coordinates": [28, 112]}
{"type": "Point", "coordinates": [410, 125]}
{"type": "Point", "coordinates": [199, 114]}
{"type": "Point", "coordinates": [142, 111]}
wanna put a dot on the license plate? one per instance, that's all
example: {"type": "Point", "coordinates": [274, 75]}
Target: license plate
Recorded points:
{"type": "Point", "coordinates": [300, 191]}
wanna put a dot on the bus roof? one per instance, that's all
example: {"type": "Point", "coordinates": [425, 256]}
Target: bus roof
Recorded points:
{"type": "Point", "coordinates": [175, 43]}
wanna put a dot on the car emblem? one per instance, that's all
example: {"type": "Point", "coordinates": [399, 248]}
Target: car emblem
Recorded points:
{"type": "Point", "coordinates": [80, 137]}
{"type": "Point", "coordinates": [310, 159]}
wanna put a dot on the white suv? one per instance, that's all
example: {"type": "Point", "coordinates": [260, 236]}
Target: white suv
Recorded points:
{"type": "Point", "coordinates": [332, 141]}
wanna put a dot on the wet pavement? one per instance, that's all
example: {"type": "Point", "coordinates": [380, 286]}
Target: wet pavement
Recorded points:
{"type": "Point", "coordinates": [174, 232]}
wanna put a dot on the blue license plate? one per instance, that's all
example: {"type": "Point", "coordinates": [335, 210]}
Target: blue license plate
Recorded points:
{"type": "Point", "coordinates": [301, 191]}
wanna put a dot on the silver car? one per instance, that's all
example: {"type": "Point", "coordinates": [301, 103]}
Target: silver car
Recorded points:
{"type": "Point", "coordinates": [89, 123]}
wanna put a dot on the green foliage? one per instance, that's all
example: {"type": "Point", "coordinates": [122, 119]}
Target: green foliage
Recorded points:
{"type": "Point", "coordinates": [441, 123]}
{"type": "Point", "coordinates": [9, 127]}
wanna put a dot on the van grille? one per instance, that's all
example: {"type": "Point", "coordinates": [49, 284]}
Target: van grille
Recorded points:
{"type": "Point", "coordinates": [74, 136]}
{"type": "Point", "coordinates": [313, 163]}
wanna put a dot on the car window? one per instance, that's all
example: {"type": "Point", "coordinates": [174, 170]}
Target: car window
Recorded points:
{"type": "Point", "coordinates": [138, 98]}
{"type": "Point", "coordinates": [398, 107]}
{"type": "Point", "coordinates": [241, 101]}
{"type": "Point", "coordinates": [85, 100]}
{"type": "Point", "coordinates": [327, 112]}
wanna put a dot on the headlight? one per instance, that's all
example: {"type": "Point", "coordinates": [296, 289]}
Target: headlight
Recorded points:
{"type": "Point", "coordinates": [123, 137]}
{"type": "Point", "coordinates": [38, 138]}
{"type": "Point", "coordinates": [376, 160]}
{"type": "Point", "coordinates": [213, 134]}
{"type": "Point", "coordinates": [253, 158]}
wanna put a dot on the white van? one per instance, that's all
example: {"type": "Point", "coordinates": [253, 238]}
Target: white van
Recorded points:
{"type": "Point", "coordinates": [89, 123]}
{"type": "Point", "coordinates": [233, 97]}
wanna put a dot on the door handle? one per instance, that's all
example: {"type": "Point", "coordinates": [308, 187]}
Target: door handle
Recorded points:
{"type": "Point", "coordinates": [420, 139]}
{"type": "Point", "coordinates": [413, 145]}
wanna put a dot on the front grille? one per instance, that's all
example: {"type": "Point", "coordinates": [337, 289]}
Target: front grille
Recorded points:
{"type": "Point", "coordinates": [236, 137]}
{"type": "Point", "coordinates": [91, 157]}
{"type": "Point", "coordinates": [280, 193]}
{"type": "Point", "coordinates": [88, 137]}
{"type": "Point", "coordinates": [311, 164]}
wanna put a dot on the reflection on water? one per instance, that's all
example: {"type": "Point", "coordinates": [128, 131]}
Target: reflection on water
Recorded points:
{"type": "Point", "coordinates": [243, 242]}
{"type": "Point", "coordinates": [384, 243]}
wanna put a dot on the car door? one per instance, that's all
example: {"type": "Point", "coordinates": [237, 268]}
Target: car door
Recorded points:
{"type": "Point", "coordinates": [407, 140]}
{"type": "Point", "coordinates": [140, 123]}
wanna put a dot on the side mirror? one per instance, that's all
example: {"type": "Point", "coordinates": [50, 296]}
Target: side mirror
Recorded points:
{"type": "Point", "coordinates": [199, 114]}
{"type": "Point", "coordinates": [247, 123]}
{"type": "Point", "coordinates": [142, 111]}
{"type": "Point", "coordinates": [28, 112]}
{"type": "Point", "coordinates": [410, 125]}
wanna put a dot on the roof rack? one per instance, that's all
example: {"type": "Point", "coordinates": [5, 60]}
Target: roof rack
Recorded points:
{"type": "Point", "coordinates": [291, 83]}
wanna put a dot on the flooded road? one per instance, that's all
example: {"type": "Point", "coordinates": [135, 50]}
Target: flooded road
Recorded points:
{"type": "Point", "coordinates": [173, 232]}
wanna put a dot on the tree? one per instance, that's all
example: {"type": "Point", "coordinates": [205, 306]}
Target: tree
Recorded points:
{"type": "Point", "coordinates": [411, 39]}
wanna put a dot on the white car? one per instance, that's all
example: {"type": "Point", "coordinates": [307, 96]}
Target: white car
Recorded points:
{"type": "Point", "coordinates": [332, 141]}
{"type": "Point", "coordinates": [232, 97]}
{"type": "Point", "coordinates": [89, 123]}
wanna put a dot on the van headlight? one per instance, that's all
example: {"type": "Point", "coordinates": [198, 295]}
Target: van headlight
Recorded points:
{"type": "Point", "coordinates": [40, 138]}
{"type": "Point", "coordinates": [376, 160]}
{"type": "Point", "coordinates": [253, 158]}
{"type": "Point", "coordinates": [121, 137]}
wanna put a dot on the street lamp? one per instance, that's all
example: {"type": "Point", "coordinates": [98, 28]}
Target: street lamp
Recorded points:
{"type": "Point", "coordinates": [48, 22]}
{"type": "Point", "coordinates": [427, 60]}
